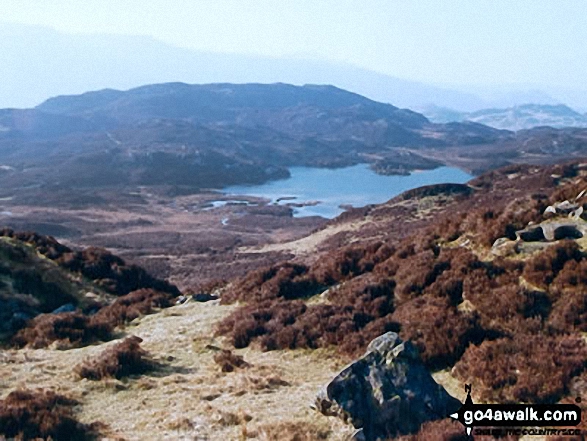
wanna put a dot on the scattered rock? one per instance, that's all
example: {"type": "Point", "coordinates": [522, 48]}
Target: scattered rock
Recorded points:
{"type": "Point", "coordinates": [181, 300]}
{"type": "Point", "coordinates": [550, 211]}
{"type": "Point", "coordinates": [565, 207]}
{"type": "Point", "coordinates": [561, 230]}
{"type": "Point", "coordinates": [204, 297]}
{"type": "Point", "coordinates": [531, 233]}
{"type": "Point", "coordinates": [386, 392]}
{"type": "Point", "coordinates": [578, 213]}
{"type": "Point", "coordinates": [68, 307]}
{"type": "Point", "coordinates": [552, 230]}
{"type": "Point", "coordinates": [504, 247]}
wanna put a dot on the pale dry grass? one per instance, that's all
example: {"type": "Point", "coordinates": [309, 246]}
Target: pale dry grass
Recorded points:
{"type": "Point", "coordinates": [189, 398]}
{"type": "Point", "coordinates": [309, 244]}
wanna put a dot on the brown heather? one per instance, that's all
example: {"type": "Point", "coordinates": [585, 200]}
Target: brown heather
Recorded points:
{"type": "Point", "coordinates": [33, 414]}
{"type": "Point", "coordinates": [447, 430]}
{"type": "Point", "coordinates": [510, 325]}
{"type": "Point", "coordinates": [78, 329]}
{"type": "Point", "coordinates": [96, 264]}
{"type": "Point", "coordinates": [118, 361]}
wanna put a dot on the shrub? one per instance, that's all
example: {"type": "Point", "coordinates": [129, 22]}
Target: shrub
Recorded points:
{"type": "Point", "coordinates": [111, 272]}
{"type": "Point", "coordinates": [414, 275]}
{"type": "Point", "coordinates": [542, 269]}
{"type": "Point", "coordinates": [135, 304]}
{"type": "Point", "coordinates": [118, 361]}
{"type": "Point", "coordinates": [77, 329]}
{"type": "Point", "coordinates": [371, 295]}
{"type": "Point", "coordinates": [94, 263]}
{"type": "Point", "coordinates": [569, 313]}
{"type": "Point", "coordinates": [350, 261]}
{"type": "Point", "coordinates": [529, 368]}
{"type": "Point", "coordinates": [440, 331]}
{"type": "Point", "coordinates": [32, 414]}
{"type": "Point", "coordinates": [229, 362]}
{"type": "Point", "coordinates": [73, 328]}
{"type": "Point", "coordinates": [287, 280]}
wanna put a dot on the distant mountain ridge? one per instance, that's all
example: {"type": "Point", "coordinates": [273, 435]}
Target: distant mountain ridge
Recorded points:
{"type": "Point", "coordinates": [216, 103]}
{"type": "Point", "coordinates": [520, 117]}
{"type": "Point", "coordinates": [75, 63]}
{"type": "Point", "coordinates": [216, 135]}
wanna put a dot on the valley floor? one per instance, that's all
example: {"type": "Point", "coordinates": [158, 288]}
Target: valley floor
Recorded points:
{"type": "Point", "coordinates": [180, 238]}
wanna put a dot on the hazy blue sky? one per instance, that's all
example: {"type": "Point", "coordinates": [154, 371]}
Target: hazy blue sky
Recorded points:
{"type": "Point", "coordinates": [455, 42]}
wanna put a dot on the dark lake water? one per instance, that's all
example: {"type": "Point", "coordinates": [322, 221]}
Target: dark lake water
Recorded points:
{"type": "Point", "coordinates": [357, 186]}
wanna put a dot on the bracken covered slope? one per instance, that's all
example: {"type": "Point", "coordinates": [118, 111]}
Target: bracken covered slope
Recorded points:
{"type": "Point", "coordinates": [511, 321]}
{"type": "Point", "coordinates": [49, 292]}
{"type": "Point", "coordinates": [442, 265]}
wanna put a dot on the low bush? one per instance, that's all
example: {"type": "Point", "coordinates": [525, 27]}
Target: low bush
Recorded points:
{"type": "Point", "coordinates": [73, 328]}
{"type": "Point", "coordinates": [127, 308]}
{"type": "Point", "coordinates": [440, 331]}
{"type": "Point", "coordinates": [350, 261]}
{"type": "Point", "coordinates": [95, 263]}
{"type": "Point", "coordinates": [78, 329]}
{"type": "Point", "coordinates": [111, 272]}
{"type": "Point", "coordinates": [287, 281]}
{"type": "Point", "coordinates": [229, 362]}
{"type": "Point", "coordinates": [118, 361]}
{"type": "Point", "coordinates": [533, 368]}
{"type": "Point", "coordinates": [33, 414]}
{"type": "Point", "coordinates": [569, 313]}
{"type": "Point", "coordinates": [542, 269]}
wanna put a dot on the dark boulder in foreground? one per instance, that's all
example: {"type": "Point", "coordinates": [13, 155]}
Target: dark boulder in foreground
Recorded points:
{"type": "Point", "coordinates": [386, 392]}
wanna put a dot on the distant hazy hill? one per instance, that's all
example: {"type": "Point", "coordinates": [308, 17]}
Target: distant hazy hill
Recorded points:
{"type": "Point", "coordinates": [282, 107]}
{"type": "Point", "coordinates": [245, 113]}
{"type": "Point", "coordinates": [71, 64]}
{"type": "Point", "coordinates": [514, 118]}
{"type": "Point", "coordinates": [213, 135]}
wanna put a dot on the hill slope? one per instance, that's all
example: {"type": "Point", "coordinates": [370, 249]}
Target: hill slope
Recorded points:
{"type": "Point", "coordinates": [40, 278]}
{"type": "Point", "coordinates": [451, 268]}
{"type": "Point", "coordinates": [177, 133]}
{"type": "Point", "coordinates": [215, 135]}
{"type": "Point", "coordinates": [460, 270]}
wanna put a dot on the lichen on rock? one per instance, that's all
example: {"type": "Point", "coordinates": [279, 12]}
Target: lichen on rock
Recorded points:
{"type": "Point", "coordinates": [386, 392]}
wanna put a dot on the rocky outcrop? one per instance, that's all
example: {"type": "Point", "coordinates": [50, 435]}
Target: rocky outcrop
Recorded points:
{"type": "Point", "coordinates": [386, 392]}
{"type": "Point", "coordinates": [562, 220]}
{"type": "Point", "coordinates": [553, 230]}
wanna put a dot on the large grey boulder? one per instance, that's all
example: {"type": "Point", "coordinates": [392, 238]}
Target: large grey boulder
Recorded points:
{"type": "Point", "coordinates": [553, 230]}
{"type": "Point", "coordinates": [504, 247]}
{"type": "Point", "coordinates": [386, 392]}
{"type": "Point", "coordinates": [562, 230]}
